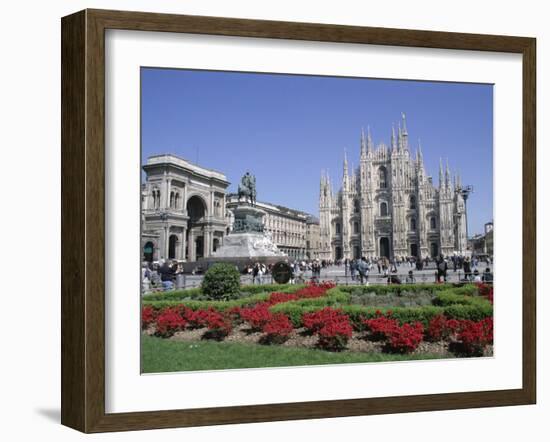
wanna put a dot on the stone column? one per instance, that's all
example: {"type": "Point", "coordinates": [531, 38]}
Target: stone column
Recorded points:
{"type": "Point", "coordinates": [207, 242]}
{"type": "Point", "coordinates": [183, 244]}
{"type": "Point", "coordinates": [191, 246]}
{"type": "Point", "coordinates": [185, 199]}
{"type": "Point", "coordinates": [166, 240]}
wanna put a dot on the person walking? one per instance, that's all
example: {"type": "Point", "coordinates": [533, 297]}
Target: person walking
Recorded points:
{"type": "Point", "coordinates": [363, 269]}
{"type": "Point", "coordinates": [167, 276]}
{"type": "Point", "coordinates": [442, 269]}
{"type": "Point", "coordinates": [467, 269]}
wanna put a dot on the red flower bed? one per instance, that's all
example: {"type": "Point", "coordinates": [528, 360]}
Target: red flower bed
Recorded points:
{"type": "Point", "coordinates": [332, 326]}
{"type": "Point", "coordinates": [381, 327]}
{"type": "Point", "coordinates": [256, 316]}
{"type": "Point", "coordinates": [168, 322]}
{"type": "Point", "coordinates": [196, 318]}
{"type": "Point", "coordinates": [277, 298]}
{"type": "Point", "coordinates": [440, 328]}
{"type": "Point", "coordinates": [277, 329]}
{"type": "Point", "coordinates": [148, 316]}
{"type": "Point", "coordinates": [218, 325]}
{"type": "Point", "coordinates": [405, 339]}
{"type": "Point", "coordinates": [471, 337]}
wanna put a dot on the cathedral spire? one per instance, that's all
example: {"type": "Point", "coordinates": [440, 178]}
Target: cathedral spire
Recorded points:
{"type": "Point", "coordinates": [399, 137]}
{"type": "Point", "coordinates": [346, 172]}
{"type": "Point", "coordinates": [404, 124]}
{"type": "Point", "coordinates": [393, 141]}
{"type": "Point", "coordinates": [448, 175]}
{"type": "Point", "coordinates": [404, 133]}
{"type": "Point", "coordinates": [369, 141]}
{"type": "Point", "coordinates": [440, 172]}
{"type": "Point", "coordinates": [363, 144]}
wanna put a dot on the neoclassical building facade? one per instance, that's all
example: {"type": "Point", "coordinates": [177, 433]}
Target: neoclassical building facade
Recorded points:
{"type": "Point", "coordinates": [183, 209]}
{"type": "Point", "coordinates": [389, 206]}
{"type": "Point", "coordinates": [187, 212]}
{"type": "Point", "coordinates": [291, 230]}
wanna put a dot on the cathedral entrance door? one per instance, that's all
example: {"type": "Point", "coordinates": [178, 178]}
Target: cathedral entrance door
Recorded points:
{"type": "Point", "coordinates": [414, 250]}
{"type": "Point", "coordinates": [385, 247]}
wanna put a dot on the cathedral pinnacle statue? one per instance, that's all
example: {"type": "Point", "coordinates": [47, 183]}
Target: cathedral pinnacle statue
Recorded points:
{"type": "Point", "coordinates": [247, 188]}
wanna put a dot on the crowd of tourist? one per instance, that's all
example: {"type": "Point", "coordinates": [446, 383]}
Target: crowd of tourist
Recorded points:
{"type": "Point", "coordinates": [398, 270]}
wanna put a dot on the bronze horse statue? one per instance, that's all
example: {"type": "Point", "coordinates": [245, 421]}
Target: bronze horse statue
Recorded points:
{"type": "Point", "coordinates": [247, 188]}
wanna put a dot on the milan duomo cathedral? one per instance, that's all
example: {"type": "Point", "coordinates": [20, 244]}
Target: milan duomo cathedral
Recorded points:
{"type": "Point", "coordinates": [390, 207]}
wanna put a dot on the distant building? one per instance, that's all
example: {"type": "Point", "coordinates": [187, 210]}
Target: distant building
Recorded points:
{"type": "Point", "coordinates": [482, 244]}
{"type": "Point", "coordinates": [186, 213]}
{"type": "Point", "coordinates": [183, 209]}
{"type": "Point", "coordinates": [289, 228]}
{"type": "Point", "coordinates": [389, 206]}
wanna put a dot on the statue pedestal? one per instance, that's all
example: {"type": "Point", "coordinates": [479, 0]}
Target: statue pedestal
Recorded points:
{"type": "Point", "coordinates": [247, 243]}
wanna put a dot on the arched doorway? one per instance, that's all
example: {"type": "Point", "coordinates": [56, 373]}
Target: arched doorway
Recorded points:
{"type": "Point", "coordinates": [215, 244]}
{"type": "Point", "coordinates": [356, 252]}
{"type": "Point", "coordinates": [338, 253]}
{"type": "Point", "coordinates": [385, 247]}
{"type": "Point", "coordinates": [148, 251]}
{"type": "Point", "coordinates": [196, 210]}
{"type": "Point", "coordinates": [414, 250]}
{"type": "Point", "coordinates": [172, 245]}
{"type": "Point", "coordinates": [434, 250]}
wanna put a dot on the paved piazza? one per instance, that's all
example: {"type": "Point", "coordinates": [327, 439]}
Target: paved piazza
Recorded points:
{"type": "Point", "coordinates": [338, 274]}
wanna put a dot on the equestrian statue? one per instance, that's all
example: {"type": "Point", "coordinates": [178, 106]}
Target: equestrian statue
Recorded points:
{"type": "Point", "coordinates": [247, 188]}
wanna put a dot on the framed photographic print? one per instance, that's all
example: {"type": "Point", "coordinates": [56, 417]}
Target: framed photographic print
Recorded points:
{"type": "Point", "coordinates": [268, 220]}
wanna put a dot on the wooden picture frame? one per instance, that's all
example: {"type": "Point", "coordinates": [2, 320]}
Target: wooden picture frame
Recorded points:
{"type": "Point", "coordinates": [83, 219]}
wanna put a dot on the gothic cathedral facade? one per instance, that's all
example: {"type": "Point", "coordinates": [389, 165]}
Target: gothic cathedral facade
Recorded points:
{"type": "Point", "coordinates": [389, 206]}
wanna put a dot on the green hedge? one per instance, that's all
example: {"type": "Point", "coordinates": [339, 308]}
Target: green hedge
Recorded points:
{"type": "Point", "coordinates": [449, 304]}
{"type": "Point", "coordinates": [246, 291]}
{"type": "Point", "coordinates": [220, 305]}
{"type": "Point", "coordinates": [395, 288]}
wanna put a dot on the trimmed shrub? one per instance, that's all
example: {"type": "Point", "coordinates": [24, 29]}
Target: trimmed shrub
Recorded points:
{"type": "Point", "coordinates": [221, 282]}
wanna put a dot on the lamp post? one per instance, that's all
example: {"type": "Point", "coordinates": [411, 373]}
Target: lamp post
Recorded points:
{"type": "Point", "coordinates": [465, 192]}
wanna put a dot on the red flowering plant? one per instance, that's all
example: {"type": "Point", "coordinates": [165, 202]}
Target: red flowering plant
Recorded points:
{"type": "Point", "coordinates": [256, 316]}
{"type": "Point", "coordinates": [196, 318]}
{"type": "Point", "coordinates": [277, 298]}
{"type": "Point", "coordinates": [471, 337]}
{"type": "Point", "coordinates": [168, 322]}
{"type": "Point", "coordinates": [148, 316]}
{"type": "Point", "coordinates": [440, 328]}
{"type": "Point", "coordinates": [381, 326]}
{"type": "Point", "coordinates": [334, 335]}
{"type": "Point", "coordinates": [277, 329]}
{"type": "Point", "coordinates": [332, 326]}
{"type": "Point", "coordinates": [405, 338]}
{"type": "Point", "coordinates": [219, 326]}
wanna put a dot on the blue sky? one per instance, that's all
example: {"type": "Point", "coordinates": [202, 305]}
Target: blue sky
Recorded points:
{"type": "Point", "coordinates": [286, 128]}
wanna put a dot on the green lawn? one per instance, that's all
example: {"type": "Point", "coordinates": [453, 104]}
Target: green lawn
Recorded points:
{"type": "Point", "coordinates": [161, 355]}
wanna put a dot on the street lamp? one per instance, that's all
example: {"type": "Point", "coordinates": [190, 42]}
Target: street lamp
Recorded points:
{"type": "Point", "coordinates": [465, 192]}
